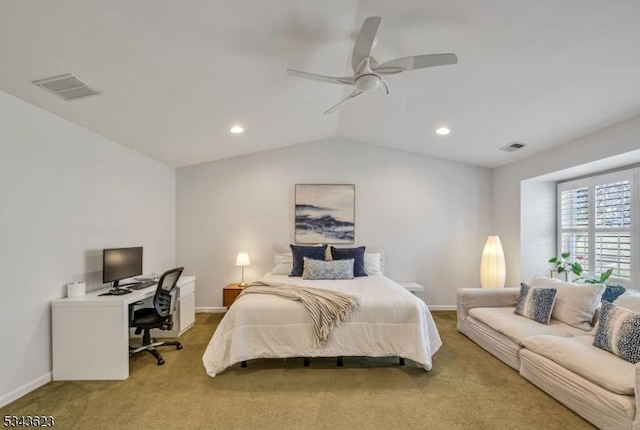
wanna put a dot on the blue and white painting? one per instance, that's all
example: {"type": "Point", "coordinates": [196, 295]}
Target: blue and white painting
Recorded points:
{"type": "Point", "coordinates": [325, 213]}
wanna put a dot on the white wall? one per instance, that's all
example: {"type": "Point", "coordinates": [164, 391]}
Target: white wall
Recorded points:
{"type": "Point", "coordinates": [66, 194]}
{"type": "Point", "coordinates": [431, 216]}
{"type": "Point", "coordinates": [607, 148]}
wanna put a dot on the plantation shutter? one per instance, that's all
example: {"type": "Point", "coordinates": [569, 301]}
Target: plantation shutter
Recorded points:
{"type": "Point", "coordinates": [613, 228]}
{"type": "Point", "coordinates": [574, 222]}
{"type": "Point", "coordinates": [596, 223]}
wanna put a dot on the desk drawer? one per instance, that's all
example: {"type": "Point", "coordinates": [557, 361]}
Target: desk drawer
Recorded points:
{"type": "Point", "coordinates": [185, 290]}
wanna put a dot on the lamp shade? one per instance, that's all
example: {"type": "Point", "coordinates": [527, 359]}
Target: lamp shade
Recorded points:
{"type": "Point", "coordinates": [492, 267]}
{"type": "Point", "coordinates": [243, 259]}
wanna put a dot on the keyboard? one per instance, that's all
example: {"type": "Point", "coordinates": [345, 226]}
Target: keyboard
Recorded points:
{"type": "Point", "coordinates": [141, 285]}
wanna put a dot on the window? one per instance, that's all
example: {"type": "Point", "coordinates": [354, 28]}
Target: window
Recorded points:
{"type": "Point", "coordinates": [595, 224]}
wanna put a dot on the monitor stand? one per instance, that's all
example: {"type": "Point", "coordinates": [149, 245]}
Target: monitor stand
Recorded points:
{"type": "Point", "coordinates": [116, 290]}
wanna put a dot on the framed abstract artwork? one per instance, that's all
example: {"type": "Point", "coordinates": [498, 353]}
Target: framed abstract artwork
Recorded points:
{"type": "Point", "coordinates": [325, 213]}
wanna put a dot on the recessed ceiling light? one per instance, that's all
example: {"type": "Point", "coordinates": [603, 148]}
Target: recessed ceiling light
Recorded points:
{"type": "Point", "coordinates": [236, 129]}
{"type": "Point", "coordinates": [443, 131]}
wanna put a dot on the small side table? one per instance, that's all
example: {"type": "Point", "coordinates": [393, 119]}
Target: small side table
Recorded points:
{"type": "Point", "coordinates": [415, 288]}
{"type": "Point", "coordinates": [230, 294]}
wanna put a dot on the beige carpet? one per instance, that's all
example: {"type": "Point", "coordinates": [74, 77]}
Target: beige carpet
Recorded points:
{"type": "Point", "coordinates": [467, 389]}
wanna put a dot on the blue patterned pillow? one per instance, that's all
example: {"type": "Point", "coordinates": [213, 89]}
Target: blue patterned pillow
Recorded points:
{"type": "Point", "coordinates": [536, 303]}
{"type": "Point", "coordinates": [346, 253]}
{"type": "Point", "coordinates": [338, 269]}
{"type": "Point", "coordinates": [299, 252]}
{"type": "Point", "coordinates": [619, 332]}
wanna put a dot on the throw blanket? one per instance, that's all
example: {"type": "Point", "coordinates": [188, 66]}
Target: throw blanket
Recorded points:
{"type": "Point", "coordinates": [328, 308]}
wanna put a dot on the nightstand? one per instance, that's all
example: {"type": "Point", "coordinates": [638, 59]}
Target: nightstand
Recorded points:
{"type": "Point", "coordinates": [230, 294]}
{"type": "Point", "coordinates": [415, 288]}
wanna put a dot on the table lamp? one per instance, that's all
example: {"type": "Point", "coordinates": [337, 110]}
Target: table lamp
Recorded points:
{"type": "Point", "coordinates": [243, 260]}
{"type": "Point", "coordinates": [492, 267]}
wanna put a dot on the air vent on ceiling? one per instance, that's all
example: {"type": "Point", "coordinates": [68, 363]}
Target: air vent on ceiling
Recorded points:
{"type": "Point", "coordinates": [512, 147]}
{"type": "Point", "coordinates": [67, 87]}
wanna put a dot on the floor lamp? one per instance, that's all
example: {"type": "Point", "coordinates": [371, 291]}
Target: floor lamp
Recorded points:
{"type": "Point", "coordinates": [492, 267]}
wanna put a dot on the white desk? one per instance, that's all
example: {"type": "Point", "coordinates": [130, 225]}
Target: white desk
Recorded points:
{"type": "Point", "coordinates": [91, 333]}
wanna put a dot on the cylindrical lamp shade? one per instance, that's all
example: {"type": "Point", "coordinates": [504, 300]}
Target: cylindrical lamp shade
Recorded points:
{"type": "Point", "coordinates": [243, 259]}
{"type": "Point", "coordinates": [492, 267]}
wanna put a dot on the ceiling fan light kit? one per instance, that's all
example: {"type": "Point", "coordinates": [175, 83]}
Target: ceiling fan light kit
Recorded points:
{"type": "Point", "coordinates": [367, 70]}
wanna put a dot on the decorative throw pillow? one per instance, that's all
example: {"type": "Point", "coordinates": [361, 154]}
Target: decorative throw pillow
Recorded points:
{"type": "Point", "coordinates": [338, 269]}
{"type": "Point", "coordinates": [629, 300]}
{"type": "Point", "coordinates": [357, 254]}
{"type": "Point", "coordinates": [576, 304]}
{"type": "Point", "coordinates": [372, 263]}
{"type": "Point", "coordinates": [619, 332]}
{"type": "Point", "coordinates": [536, 303]}
{"type": "Point", "coordinates": [299, 252]}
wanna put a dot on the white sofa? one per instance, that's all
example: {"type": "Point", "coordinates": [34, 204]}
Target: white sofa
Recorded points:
{"type": "Point", "coordinates": [558, 358]}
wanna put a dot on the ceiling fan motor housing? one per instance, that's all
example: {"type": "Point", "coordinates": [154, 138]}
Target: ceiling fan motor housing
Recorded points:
{"type": "Point", "coordinates": [368, 82]}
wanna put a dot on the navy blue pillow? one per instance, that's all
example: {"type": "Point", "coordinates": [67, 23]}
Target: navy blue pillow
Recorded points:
{"type": "Point", "coordinates": [356, 253]}
{"type": "Point", "coordinates": [299, 252]}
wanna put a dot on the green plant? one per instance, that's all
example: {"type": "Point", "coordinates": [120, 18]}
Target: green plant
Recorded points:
{"type": "Point", "coordinates": [564, 265]}
{"type": "Point", "coordinates": [601, 280]}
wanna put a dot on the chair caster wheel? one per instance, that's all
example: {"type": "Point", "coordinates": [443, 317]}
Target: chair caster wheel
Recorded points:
{"type": "Point", "coordinates": [160, 362]}
{"type": "Point", "coordinates": [179, 347]}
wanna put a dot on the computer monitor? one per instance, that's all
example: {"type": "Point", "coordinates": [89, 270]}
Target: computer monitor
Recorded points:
{"type": "Point", "coordinates": [121, 263]}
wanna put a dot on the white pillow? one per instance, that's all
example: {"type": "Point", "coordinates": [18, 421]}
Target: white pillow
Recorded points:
{"type": "Point", "coordinates": [283, 264]}
{"type": "Point", "coordinates": [630, 299]}
{"type": "Point", "coordinates": [575, 304]}
{"type": "Point", "coordinates": [372, 263]}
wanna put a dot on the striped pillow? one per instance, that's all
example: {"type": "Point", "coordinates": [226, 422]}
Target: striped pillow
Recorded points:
{"type": "Point", "coordinates": [619, 332]}
{"type": "Point", "coordinates": [536, 303]}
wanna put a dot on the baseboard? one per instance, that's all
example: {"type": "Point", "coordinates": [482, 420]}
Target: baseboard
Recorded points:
{"type": "Point", "coordinates": [443, 307]}
{"type": "Point", "coordinates": [211, 310]}
{"type": "Point", "coordinates": [25, 389]}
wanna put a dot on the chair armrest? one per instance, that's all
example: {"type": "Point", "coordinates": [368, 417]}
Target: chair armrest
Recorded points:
{"type": "Point", "coordinates": [469, 298]}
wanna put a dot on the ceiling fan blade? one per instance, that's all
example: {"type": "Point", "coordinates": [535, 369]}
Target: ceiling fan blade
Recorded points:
{"type": "Point", "coordinates": [384, 86]}
{"type": "Point", "coordinates": [322, 78]}
{"type": "Point", "coordinates": [364, 42]}
{"type": "Point", "coordinates": [351, 96]}
{"type": "Point", "coordinates": [416, 62]}
{"type": "Point", "coordinates": [396, 96]}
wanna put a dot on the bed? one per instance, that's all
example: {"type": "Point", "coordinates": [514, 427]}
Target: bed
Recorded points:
{"type": "Point", "coordinates": [390, 321]}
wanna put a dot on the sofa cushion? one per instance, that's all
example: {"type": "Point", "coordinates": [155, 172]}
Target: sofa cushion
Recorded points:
{"type": "Point", "coordinates": [619, 332]}
{"type": "Point", "coordinates": [578, 355]}
{"type": "Point", "coordinates": [630, 299]}
{"type": "Point", "coordinates": [497, 344]}
{"type": "Point", "coordinates": [536, 303]}
{"type": "Point", "coordinates": [575, 304]}
{"type": "Point", "coordinates": [515, 327]}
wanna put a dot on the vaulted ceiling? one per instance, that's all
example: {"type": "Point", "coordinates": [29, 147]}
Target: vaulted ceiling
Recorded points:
{"type": "Point", "coordinates": [175, 76]}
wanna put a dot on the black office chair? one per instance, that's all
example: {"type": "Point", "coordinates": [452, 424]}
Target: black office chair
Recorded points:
{"type": "Point", "coordinates": [159, 316]}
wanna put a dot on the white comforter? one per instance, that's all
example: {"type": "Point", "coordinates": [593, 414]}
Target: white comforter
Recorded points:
{"type": "Point", "coordinates": [390, 321]}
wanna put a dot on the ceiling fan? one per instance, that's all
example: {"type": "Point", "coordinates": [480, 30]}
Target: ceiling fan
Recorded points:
{"type": "Point", "coordinates": [367, 71]}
